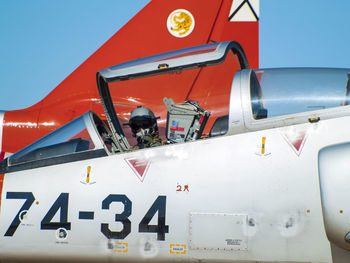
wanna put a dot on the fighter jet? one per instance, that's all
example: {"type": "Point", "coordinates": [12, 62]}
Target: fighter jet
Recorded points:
{"type": "Point", "coordinates": [262, 180]}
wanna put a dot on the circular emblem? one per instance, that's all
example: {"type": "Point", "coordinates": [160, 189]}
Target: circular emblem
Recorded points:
{"type": "Point", "coordinates": [61, 233]}
{"type": "Point", "coordinates": [180, 23]}
{"type": "Point", "coordinates": [23, 215]}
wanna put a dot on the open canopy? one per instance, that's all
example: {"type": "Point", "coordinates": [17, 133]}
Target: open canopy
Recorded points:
{"type": "Point", "coordinates": [188, 58]}
{"type": "Point", "coordinates": [192, 57]}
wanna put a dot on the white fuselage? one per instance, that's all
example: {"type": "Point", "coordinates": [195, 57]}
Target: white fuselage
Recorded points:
{"type": "Point", "coordinates": [225, 198]}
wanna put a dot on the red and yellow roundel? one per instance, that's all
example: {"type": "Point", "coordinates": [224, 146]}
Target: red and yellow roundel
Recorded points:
{"type": "Point", "coordinates": [180, 23]}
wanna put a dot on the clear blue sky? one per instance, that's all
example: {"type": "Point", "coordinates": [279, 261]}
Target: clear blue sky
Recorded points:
{"type": "Point", "coordinates": [42, 42]}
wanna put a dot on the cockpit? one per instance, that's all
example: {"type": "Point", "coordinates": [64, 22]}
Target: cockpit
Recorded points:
{"type": "Point", "coordinates": [255, 100]}
{"type": "Point", "coordinates": [85, 137]}
{"type": "Point", "coordinates": [277, 92]}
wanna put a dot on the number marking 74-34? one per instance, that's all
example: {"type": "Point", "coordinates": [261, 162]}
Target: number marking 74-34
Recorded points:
{"type": "Point", "coordinates": [61, 204]}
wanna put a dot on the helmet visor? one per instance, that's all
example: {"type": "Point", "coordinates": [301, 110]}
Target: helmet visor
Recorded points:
{"type": "Point", "coordinates": [141, 123]}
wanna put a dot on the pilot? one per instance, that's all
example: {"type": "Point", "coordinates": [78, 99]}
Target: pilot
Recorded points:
{"type": "Point", "coordinates": [143, 124]}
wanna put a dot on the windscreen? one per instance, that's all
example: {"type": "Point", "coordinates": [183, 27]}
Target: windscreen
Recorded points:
{"type": "Point", "coordinates": [73, 137]}
{"type": "Point", "coordinates": [276, 92]}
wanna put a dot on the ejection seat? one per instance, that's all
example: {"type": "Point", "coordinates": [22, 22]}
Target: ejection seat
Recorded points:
{"type": "Point", "coordinates": [185, 121]}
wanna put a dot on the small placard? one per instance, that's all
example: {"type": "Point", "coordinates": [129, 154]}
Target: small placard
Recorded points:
{"type": "Point", "coordinates": [121, 247]}
{"type": "Point", "coordinates": [218, 231]}
{"type": "Point", "coordinates": [177, 248]}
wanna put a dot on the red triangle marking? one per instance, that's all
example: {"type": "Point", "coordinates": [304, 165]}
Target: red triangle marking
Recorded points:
{"type": "Point", "coordinates": [139, 166]}
{"type": "Point", "coordinates": [296, 139]}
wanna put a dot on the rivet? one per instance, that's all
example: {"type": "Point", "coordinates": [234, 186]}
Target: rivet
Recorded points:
{"type": "Point", "coordinates": [341, 211]}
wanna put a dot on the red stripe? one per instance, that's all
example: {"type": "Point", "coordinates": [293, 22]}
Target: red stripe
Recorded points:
{"type": "Point", "coordinates": [177, 129]}
{"type": "Point", "coordinates": [1, 183]}
{"type": "Point", "coordinates": [2, 156]}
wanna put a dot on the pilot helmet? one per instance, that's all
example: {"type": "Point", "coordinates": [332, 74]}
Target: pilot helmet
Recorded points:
{"type": "Point", "coordinates": [143, 120]}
